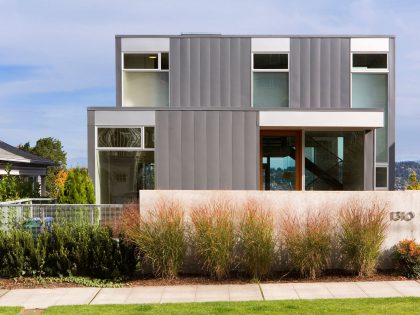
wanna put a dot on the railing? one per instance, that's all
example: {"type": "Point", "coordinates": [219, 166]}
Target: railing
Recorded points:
{"type": "Point", "coordinates": [45, 215]}
{"type": "Point", "coordinates": [29, 201]}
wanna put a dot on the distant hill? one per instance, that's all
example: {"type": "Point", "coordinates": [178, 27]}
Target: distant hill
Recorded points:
{"type": "Point", "coordinates": [402, 170]}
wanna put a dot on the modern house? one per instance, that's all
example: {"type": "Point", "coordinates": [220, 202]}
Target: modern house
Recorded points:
{"type": "Point", "coordinates": [208, 111]}
{"type": "Point", "coordinates": [21, 163]}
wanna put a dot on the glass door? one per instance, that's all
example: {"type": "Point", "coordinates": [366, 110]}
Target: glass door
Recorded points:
{"type": "Point", "coordinates": [281, 160]}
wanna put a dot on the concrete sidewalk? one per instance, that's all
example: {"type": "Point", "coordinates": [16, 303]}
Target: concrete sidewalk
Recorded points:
{"type": "Point", "coordinates": [43, 298]}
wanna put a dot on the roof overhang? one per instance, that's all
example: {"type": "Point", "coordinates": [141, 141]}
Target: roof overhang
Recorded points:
{"type": "Point", "coordinates": [322, 119]}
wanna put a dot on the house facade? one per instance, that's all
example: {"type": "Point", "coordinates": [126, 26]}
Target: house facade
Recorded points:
{"type": "Point", "coordinates": [207, 111]}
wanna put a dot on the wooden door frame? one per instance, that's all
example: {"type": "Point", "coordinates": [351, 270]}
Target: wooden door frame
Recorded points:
{"type": "Point", "coordinates": [298, 157]}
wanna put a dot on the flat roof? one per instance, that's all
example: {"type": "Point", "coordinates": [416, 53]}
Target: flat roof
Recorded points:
{"type": "Point", "coordinates": [252, 36]}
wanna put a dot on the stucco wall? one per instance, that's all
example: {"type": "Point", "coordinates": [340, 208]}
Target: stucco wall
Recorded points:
{"type": "Point", "coordinates": [403, 206]}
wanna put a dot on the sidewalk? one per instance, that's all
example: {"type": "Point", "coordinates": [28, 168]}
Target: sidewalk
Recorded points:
{"type": "Point", "coordinates": [43, 298]}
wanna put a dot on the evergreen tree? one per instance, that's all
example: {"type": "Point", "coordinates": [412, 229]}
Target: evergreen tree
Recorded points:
{"type": "Point", "coordinates": [78, 188]}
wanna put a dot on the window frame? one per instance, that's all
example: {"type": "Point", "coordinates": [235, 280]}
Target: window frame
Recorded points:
{"type": "Point", "coordinates": [386, 166]}
{"type": "Point", "coordinates": [142, 148]}
{"type": "Point", "coordinates": [371, 70]}
{"type": "Point", "coordinates": [269, 71]}
{"type": "Point", "coordinates": [159, 69]}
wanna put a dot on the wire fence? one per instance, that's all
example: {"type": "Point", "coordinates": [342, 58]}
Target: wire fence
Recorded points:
{"type": "Point", "coordinates": [38, 217]}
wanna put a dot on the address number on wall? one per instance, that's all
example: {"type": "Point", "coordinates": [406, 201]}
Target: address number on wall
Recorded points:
{"type": "Point", "coordinates": [401, 216]}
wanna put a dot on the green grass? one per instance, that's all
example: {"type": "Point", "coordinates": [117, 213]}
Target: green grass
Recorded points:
{"type": "Point", "coordinates": [347, 306]}
{"type": "Point", "coordinates": [9, 310]}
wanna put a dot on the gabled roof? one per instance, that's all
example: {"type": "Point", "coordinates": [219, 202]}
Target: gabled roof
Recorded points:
{"type": "Point", "coordinates": [11, 154]}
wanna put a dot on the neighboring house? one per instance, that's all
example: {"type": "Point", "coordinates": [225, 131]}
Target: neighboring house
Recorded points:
{"type": "Point", "coordinates": [23, 163]}
{"type": "Point", "coordinates": [205, 111]}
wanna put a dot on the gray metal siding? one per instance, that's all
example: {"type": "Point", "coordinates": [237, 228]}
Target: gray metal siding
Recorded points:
{"type": "Point", "coordinates": [207, 150]}
{"type": "Point", "coordinates": [319, 73]}
{"type": "Point", "coordinates": [210, 72]}
{"type": "Point", "coordinates": [391, 114]}
{"type": "Point", "coordinates": [369, 160]}
{"type": "Point", "coordinates": [118, 83]}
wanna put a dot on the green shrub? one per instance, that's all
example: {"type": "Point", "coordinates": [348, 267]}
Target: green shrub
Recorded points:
{"type": "Point", "coordinates": [308, 241]}
{"type": "Point", "coordinates": [362, 228]}
{"type": "Point", "coordinates": [78, 188]}
{"type": "Point", "coordinates": [160, 236]}
{"type": "Point", "coordinates": [256, 239]}
{"type": "Point", "coordinates": [129, 257]}
{"type": "Point", "coordinates": [214, 237]}
{"type": "Point", "coordinates": [62, 243]}
{"type": "Point", "coordinates": [103, 253]}
{"type": "Point", "coordinates": [17, 253]}
{"type": "Point", "coordinates": [407, 257]}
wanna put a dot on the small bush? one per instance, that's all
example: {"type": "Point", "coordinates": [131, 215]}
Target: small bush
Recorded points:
{"type": "Point", "coordinates": [256, 240]}
{"type": "Point", "coordinates": [17, 252]}
{"type": "Point", "coordinates": [407, 257]}
{"type": "Point", "coordinates": [308, 241]}
{"type": "Point", "coordinates": [361, 234]}
{"type": "Point", "coordinates": [160, 236]}
{"type": "Point", "coordinates": [213, 237]}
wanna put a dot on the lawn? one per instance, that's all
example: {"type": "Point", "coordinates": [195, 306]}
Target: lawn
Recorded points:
{"type": "Point", "coordinates": [344, 306]}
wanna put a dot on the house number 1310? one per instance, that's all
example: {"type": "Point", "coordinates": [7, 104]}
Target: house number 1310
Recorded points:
{"type": "Point", "coordinates": [401, 216]}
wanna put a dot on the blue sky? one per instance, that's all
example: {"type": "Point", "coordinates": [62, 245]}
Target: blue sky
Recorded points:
{"type": "Point", "coordinates": [57, 57]}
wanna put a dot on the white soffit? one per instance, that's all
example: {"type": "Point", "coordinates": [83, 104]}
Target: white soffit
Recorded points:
{"type": "Point", "coordinates": [270, 44]}
{"type": "Point", "coordinates": [370, 44]}
{"type": "Point", "coordinates": [124, 118]}
{"type": "Point", "coordinates": [322, 119]}
{"type": "Point", "coordinates": [144, 44]}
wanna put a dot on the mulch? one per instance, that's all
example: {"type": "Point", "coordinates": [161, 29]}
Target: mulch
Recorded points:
{"type": "Point", "coordinates": [333, 276]}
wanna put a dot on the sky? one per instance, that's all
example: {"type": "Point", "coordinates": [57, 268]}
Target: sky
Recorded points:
{"type": "Point", "coordinates": [57, 57]}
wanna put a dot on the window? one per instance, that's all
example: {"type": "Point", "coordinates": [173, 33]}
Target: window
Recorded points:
{"type": "Point", "coordinates": [370, 61]}
{"type": "Point", "coordinates": [370, 90]}
{"type": "Point", "coordinates": [145, 80]}
{"type": "Point", "coordinates": [270, 80]}
{"type": "Point", "coordinates": [334, 160]}
{"type": "Point", "coordinates": [125, 162]}
{"type": "Point", "coordinates": [381, 178]}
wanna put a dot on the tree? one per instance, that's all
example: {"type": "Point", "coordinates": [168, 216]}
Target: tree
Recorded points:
{"type": "Point", "coordinates": [412, 183]}
{"type": "Point", "coordinates": [14, 187]}
{"type": "Point", "coordinates": [78, 188]}
{"type": "Point", "coordinates": [51, 149]}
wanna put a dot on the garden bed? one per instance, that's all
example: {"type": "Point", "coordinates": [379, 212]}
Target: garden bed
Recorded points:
{"type": "Point", "coordinates": [71, 282]}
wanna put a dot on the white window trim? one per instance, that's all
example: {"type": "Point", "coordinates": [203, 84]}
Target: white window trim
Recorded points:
{"type": "Point", "coordinates": [126, 149]}
{"type": "Point", "coordinates": [145, 71]}
{"type": "Point", "coordinates": [383, 165]}
{"type": "Point", "coordinates": [268, 71]}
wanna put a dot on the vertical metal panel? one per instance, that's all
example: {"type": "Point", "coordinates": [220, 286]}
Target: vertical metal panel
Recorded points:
{"type": "Point", "coordinates": [213, 147]}
{"type": "Point", "coordinates": [211, 72]}
{"type": "Point", "coordinates": [238, 150]}
{"type": "Point", "coordinates": [369, 160]}
{"type": "Point", "coordinates": [187, 150]}
{"type": "Point", "coordinates": [175, 156]}
{"type": "Point", "coordinates": [294, 74]}
{"type": "Point", "coordinates": [118, 83]}
{"type": "Point", "coordinates": [250, 155]}
{"type": "Point", "coordinates": [206, 150]}
{"type": "Point", "coordinates": [320, 73]}
{"type": "Point", "coordinates": [225, 152]}
{"type": "Point", "coordinates": [345, 74]}
{"type": "Point", "coordinates": [91, 144]}
{"type": "Point", "coordinates": [195, 88]}
{"type": "Point", "coordinates": [184, 73]}
{"type": "Point", "coordinates": [391, 114]}
{"type": "Point", "coordinates": [200, 150]}
{"type": "Point", "coordinates": [162, 150]}
{"type": "Point", "coordinates": [175, 74]}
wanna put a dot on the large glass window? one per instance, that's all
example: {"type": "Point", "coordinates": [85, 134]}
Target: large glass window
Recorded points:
{"type": "Point", "coordinates": [145, 80]}
{"type": "Point", "coordinates": [270, 80]}
{"type": "Point", "coordinates": [334, 160]}
{"type": "Point", "coordinates": [123, 173]}
{"type": "Point", "coordinates": [371, 91]}
{"type": "Point", "coordinates": [125, 162]}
